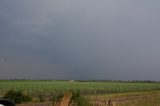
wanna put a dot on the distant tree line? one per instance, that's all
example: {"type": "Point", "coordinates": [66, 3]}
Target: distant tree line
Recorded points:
{"type": "Point", "coordinates": [121, 81]}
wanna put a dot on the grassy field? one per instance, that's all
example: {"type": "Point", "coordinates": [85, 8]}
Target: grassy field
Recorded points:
{"type": "Point", "coordinates": [49, 87]}
{"type": "Point", "coordinates": [97, 92]}
{"type": "Point", "coordinates": [145, 98]}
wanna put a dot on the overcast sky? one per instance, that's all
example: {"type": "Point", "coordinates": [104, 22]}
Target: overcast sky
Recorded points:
{"type": "Point", "coordinates": [80, 39]}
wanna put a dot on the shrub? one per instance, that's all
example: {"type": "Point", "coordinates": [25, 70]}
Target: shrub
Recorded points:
{"type": "Point", "coordinates": [41, 98]}
{"type": "Point", "coordinates": [79, 100]}
{"type": "Point", "coordinates": [17, 96]}
{"type": "Point", "coordinates": [71, 99]}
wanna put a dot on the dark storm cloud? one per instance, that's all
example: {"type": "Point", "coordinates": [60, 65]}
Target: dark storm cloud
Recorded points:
{"type": "Point", "coordinates": [80, 39]}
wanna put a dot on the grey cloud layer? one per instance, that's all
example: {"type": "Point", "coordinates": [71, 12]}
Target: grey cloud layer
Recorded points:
{"type": "Point", "coordinates": [80, 39]}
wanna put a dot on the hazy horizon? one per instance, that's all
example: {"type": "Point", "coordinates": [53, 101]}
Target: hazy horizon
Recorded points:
{"type": "Point", "coordinates": [85, 39]}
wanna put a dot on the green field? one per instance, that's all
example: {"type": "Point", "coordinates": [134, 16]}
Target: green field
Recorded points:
{"type": "Point", "coordinates": [122, 93]}
{"type": "Point", "coordinates": [47, 88]}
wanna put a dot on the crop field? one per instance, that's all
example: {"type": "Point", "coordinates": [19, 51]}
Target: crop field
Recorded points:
{"type": "Point", "coordinates": [97, 92]}
{"type": "Point", "coordinates": [49, 87]}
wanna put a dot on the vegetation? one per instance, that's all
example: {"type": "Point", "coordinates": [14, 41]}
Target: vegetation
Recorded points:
{"type": "Point", "coordinates": [71, 99]}
{"type": "Point", "coordinates": [49, 88]}
{"type": "Point", "coordinates": [147, 98]}
{"type": "Point", "coordinates": [17, 96]}
{"type": "Point", "coordinates": [81, 93]}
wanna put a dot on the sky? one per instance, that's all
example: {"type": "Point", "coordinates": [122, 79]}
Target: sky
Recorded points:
{"type": "Point", "coordinates": [80, 39]}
